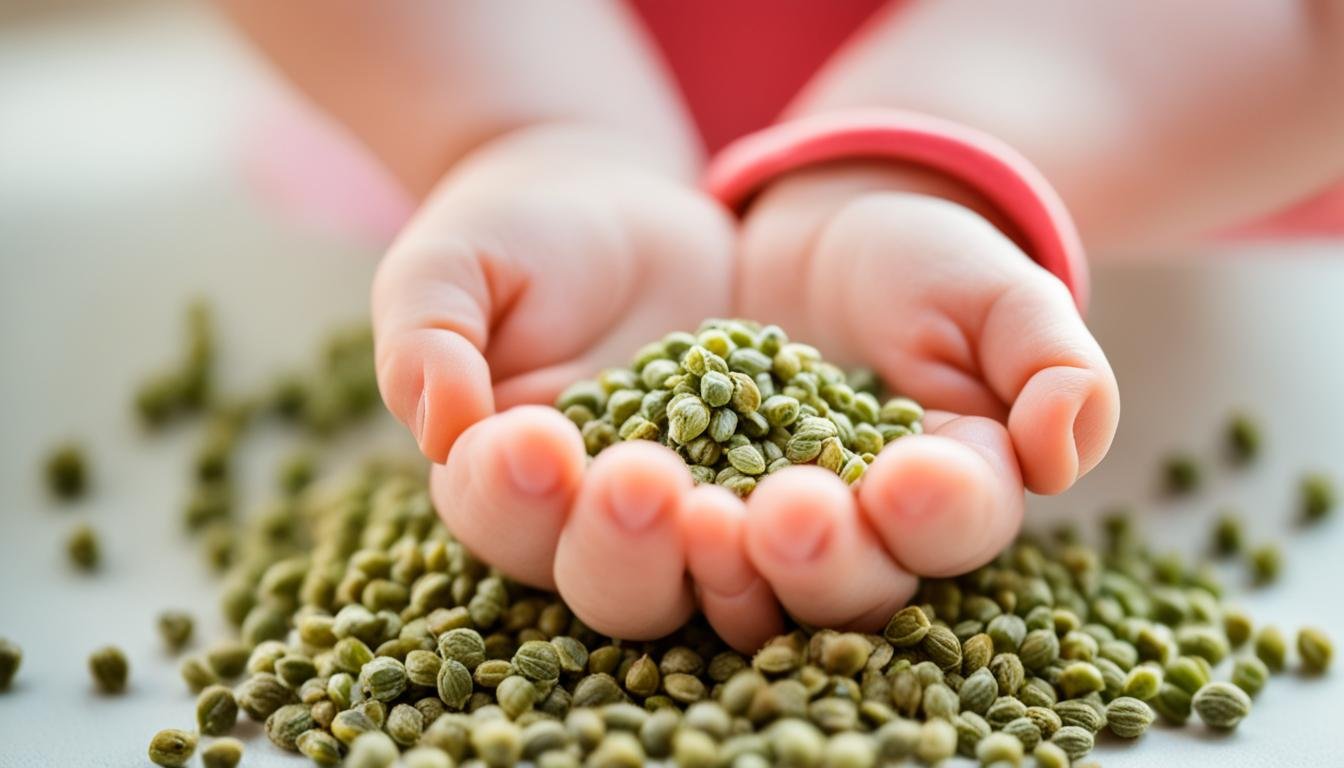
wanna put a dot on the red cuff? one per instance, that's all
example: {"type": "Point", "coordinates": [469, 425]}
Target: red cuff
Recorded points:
{"type": "Point", "coordinates": [1044, 229]}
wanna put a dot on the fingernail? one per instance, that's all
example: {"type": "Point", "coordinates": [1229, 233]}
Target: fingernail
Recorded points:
{"type": "Point", "coordinates": [634, 505]}
{"type": "Point", "coordinates": [418, 429]}
{"type": "Point", "coordinates": [798, 537]}
{"type": "Point", "coordinates": [532, 468]}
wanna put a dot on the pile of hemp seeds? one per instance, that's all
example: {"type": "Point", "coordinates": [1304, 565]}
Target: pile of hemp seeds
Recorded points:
{"type": "Point", "coordinates": [367, 636]}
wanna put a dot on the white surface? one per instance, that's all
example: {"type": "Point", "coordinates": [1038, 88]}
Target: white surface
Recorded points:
{"type": "Point", "coordinates": [117, 203]}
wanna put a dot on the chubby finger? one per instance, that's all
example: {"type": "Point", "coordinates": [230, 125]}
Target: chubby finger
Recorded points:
{"type": "Point", "coordinates": [620, 563]}
{"type": "Point", "coordinates": [1065, 404]}
{"type": "Point", "coordinates": [805, 535]}
{"type": "Point", "coordinates": [735, 599]}
{"type": "Point", "coordinates": [947, 501]}
{"type": "Point", "coordinates": [507, 487]}
{"type": "Point", "coordinates": [432, 306]}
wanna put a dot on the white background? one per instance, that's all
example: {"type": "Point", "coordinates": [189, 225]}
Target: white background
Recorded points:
{"type": "Point", "coordinates": [120, 197]}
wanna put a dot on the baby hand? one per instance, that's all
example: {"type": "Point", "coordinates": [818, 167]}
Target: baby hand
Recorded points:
{"type": "Point", "coordinates": [945, 308]}
{"type": "Point", "coordinates": [539, 261]}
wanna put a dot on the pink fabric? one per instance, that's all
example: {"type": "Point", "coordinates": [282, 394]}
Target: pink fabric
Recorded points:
{"type": "Point", "coordinates": [739, 62]}
{"type": "Point", "coordinates": [1041, 224]}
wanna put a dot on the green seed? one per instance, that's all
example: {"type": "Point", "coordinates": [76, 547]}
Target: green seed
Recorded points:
{"type": "Point", "coordinates": [999, 748]}
{"type": "Point", "coordinates": [1004, 710]}
{"type": "Point", "coordinates": [1080, 714]}
{"type": "Point", "coordinates": [1049, 755]}
{"type": "Point", "coordinates": [1271, 647]}
{"type": "Point", "coordinates": [285, 725]}
{"type": "Point", "coordinates": [454, 684]}
{"type": "Point", "coordinates": [978, 692]}
{"type": "Point", "coordinates": [1266, 561]}
{"type": "Point", "coordinates": [498, 743]}
{"type": "Point", "coordinates": [175, 628]}
{"type": "Point", "coordinates": [110, 669]}
{"type": "Point", "coordinates": [1039, 649]}
{"type": "Point", "coordinates": [1237, 626]}
{"type": "Point", "coordinates": [83, 548]}
{"type": "Point", "coordinates": [227, 659]}
{"type": "Point", "coordinates": [10, 658]}
{"type": "Point", "coordinates": [67, 472]}
{"type": "Point", "coordinates": [516, 695]}
{"type": "Point", "coordinates": [1142, 682]}
{"type": "Point", "coordinates": [383, 678]}
{"type": "Point", "coordinates": [1172, 703]}
{"type": "Point", "coordinates": [216, 711]}
{"type": "Point", "coordinates": [1221, 705]}
{"type": "Point", "coordinates": [538, 661]}
{"type": "Point", "coordinates": [971, 729]}
{"type": "Point", "coordinates": [372, 750]}
{"type": "Point", "coordinates": [172, 748]}
{"type": "Point", "coordinates": [1025, 730]}
{"type": "Point", "coordinates": [643, 678]}
{"type": "Point", "coordinates": [1080, 678]}
{"type": "Point", "coordinates": [1228, 537]}
{"type": "Point", "coordinates": [196, 673]}
{"type": "Point", "coordinates": [1128, 717]}
{"type": "Point", "coordinates": [320, 747]}
{"type": "Point", "coordinates": [1243, 438]}
{"type": "Point", "coordinates": [1181, 474]}
{"type": "Point", "coordinates": [405, 724]}
{"type": "Point", "coordinates": [1317, 496]}
{"type": "Point", "coordinates": [937, 742]}
{"type": "Point", "coordinates": [222, 753]}
{"type": "Point", "coordinates": [1075, 741]}
{"type": "Point", "coordinates": [1007, 670]}
{"type": "Point", "coordinates": [849, 750]}
{"type": "Point", "coordinates": [1250, 674]}
{"type": "Point", "coordinates": [1315, 649]}
{"type": "Point", "coordinates": [262, 694]}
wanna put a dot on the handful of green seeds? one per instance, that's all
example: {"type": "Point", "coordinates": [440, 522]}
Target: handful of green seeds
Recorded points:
{"type": "Point", "coordinates": [738, 401]}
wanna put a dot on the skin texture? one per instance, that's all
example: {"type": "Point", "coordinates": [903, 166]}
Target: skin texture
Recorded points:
{"type": "Point", "coordinates": [561, 229]}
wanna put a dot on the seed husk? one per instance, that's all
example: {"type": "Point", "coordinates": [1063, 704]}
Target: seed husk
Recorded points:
{"type": "Point", "coordinates": [172, 748]}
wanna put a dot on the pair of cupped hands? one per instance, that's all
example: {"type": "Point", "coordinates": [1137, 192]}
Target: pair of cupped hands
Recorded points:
{"type": "Point", "coordinates": [542, 258]}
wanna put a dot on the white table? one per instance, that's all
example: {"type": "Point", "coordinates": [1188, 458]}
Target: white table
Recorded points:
{"type": "Point", "coordinates": [117, 203]}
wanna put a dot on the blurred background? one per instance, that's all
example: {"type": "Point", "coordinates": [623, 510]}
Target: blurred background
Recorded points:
{"type": "Point", "coordinates": [148, 157]}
